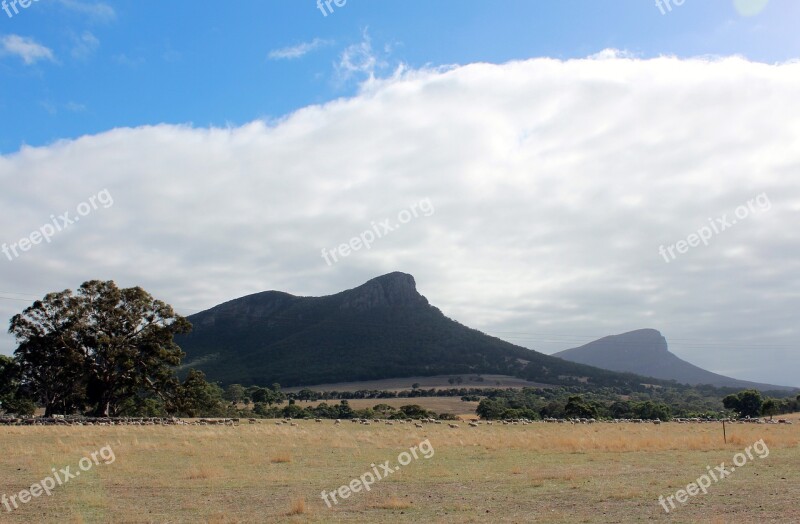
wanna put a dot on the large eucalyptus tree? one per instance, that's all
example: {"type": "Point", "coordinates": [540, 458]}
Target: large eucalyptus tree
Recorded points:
{"type": "Point", "coordinates": [97, 348]}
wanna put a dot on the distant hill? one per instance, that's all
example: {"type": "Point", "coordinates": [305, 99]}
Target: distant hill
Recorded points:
{"type": "Point", "coordinates": [645, 352]}
{"type": "Point", "coordinates": [381, 329]}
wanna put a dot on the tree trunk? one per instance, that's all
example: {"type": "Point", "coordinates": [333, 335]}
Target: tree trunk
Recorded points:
{"type": "Point", "coordinates": [103, 409]}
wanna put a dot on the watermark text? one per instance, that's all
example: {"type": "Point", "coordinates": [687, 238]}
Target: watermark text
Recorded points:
{"type": "Point", "coordinates": [58, 478]}
{"type": "Point", "coordinates": [379, 472]}
{"type": "Point", "coordinates": [716, 226]}
{"type": "Point", "coordinates": [718, 473]}
{"type": "Point", "coordinates": [56, 224]}
{"type": "Point", "coordinates": [378, 230]}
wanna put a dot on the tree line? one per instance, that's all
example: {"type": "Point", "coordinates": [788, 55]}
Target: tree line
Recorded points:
{"type": "Point", "coordinates": [608, 403]}
{"type": "Point", "coordinates": [106, 351]}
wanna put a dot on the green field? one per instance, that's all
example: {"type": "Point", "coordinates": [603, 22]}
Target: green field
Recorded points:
{"type": "Point", "coordinates": [275, 473]}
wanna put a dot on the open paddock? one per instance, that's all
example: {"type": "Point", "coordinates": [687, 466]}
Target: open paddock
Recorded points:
{"type": "Point", "coordinates": [265, 472]}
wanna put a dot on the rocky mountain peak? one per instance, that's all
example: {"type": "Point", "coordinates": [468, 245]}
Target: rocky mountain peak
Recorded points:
{"type": "Point", "coordinates": [393, 289]}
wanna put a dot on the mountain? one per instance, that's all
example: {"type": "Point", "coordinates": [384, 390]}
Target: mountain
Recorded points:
{"type": "Point", "coordinates": [645, 352]}
{"type": "Point", "coordinates": [381, 329]}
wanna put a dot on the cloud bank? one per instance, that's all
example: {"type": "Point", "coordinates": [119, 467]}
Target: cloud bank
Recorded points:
{"type": "Point", "coordinates": [554, 183]}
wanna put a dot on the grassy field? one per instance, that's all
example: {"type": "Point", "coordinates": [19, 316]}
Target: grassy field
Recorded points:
{"type": "Point", "coordinates": [269, 473]}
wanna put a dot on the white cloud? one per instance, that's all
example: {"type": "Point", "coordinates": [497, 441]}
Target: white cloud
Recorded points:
{"type": "Point", "coordinates": [28, 49]}
{"type": "Point", "coordinates": [95, 10]}
{"type": "Point", "coordinates": [554, 183]}
{"type": "Point", "coordinates": [297, 51]}
{"type": "Point", "coordinates": [359, 60]}
{"type": "Point", "coordinates": [85, 45]}
{"type": "Point", "coordinates": [49, 106]}
{"type": "Point", "coordinates": [75, 107]}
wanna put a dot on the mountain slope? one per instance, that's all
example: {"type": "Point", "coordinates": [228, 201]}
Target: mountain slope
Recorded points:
{"type": "Point", "coordinates": [645, 352]}
{"type": "Point", "coordinates": [382, 329]}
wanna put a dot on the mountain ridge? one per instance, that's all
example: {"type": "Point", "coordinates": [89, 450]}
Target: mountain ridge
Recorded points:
{"type": "Point", "coordinates": [646, 352]}
{"type": "Point", "coordinates": [383, 328]}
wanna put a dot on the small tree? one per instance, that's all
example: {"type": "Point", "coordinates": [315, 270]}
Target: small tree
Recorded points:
{"type": "Point", "coordinates": [387, 411]}
{"type": "Point", "coordinates": [769, 408]}
{"type": "Point", "coordinates": [621, 409]}
{"type": "Point", "coordinates": [650, 410]}
{"type": "Point", "coordinates": [307, 395]}
{"type": "Point", "coordinates": [414, 411]}
{"type": "Point", "coordinates": [197, 397]}
{"type": "Point", "coordinates": [746, 403]}
{"type": "Point", "coordinates": [490, 409]}
{"type": "Point", "coordinates": [345, 411]}
{"type": "Point", "coordinates": [235, 393]}
{"type": "Point", "coordinates": [267, 396]}
{"type": "Point", "coordinates": [577, 408]}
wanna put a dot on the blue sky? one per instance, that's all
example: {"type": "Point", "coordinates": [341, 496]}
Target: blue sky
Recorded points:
{"type": "Point", "coordinates": [561, 143]}
{"type": "Point", "coordinates": [132, 63]}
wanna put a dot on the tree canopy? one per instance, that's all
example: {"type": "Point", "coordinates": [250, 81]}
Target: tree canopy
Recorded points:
{"type": "Point", "coordinates": [97, 349]}
{"type": "Point", "coordinates": [746, 403]}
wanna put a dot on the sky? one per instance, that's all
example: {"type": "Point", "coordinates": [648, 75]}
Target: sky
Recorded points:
{"type": "Point", "coordinates": [550, 172]}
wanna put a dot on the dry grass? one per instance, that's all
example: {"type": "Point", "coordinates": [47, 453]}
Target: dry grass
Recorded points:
{"type": "Point", "coordinates": [202, 472]}
{"type": "Point", "coordinates": [393, 503]}
{"type": "Point", "coordinates": [298, 507]}
{"type": "Point", "coordinates": [268, 473]}
{"type": "Point", "coordinates": [281, 458]}
{"type": "Point", "coordinates": [585, 438]}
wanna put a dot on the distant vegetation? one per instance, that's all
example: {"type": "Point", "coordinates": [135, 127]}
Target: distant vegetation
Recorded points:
{"type": "Point", "coordinates": [105, 351]}
{"type": "Point", "coordinates": [659, 403]}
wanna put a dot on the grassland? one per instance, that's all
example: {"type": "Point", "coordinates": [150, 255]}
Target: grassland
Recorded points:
{"type": "Point", "coordinates": [534, 473]}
